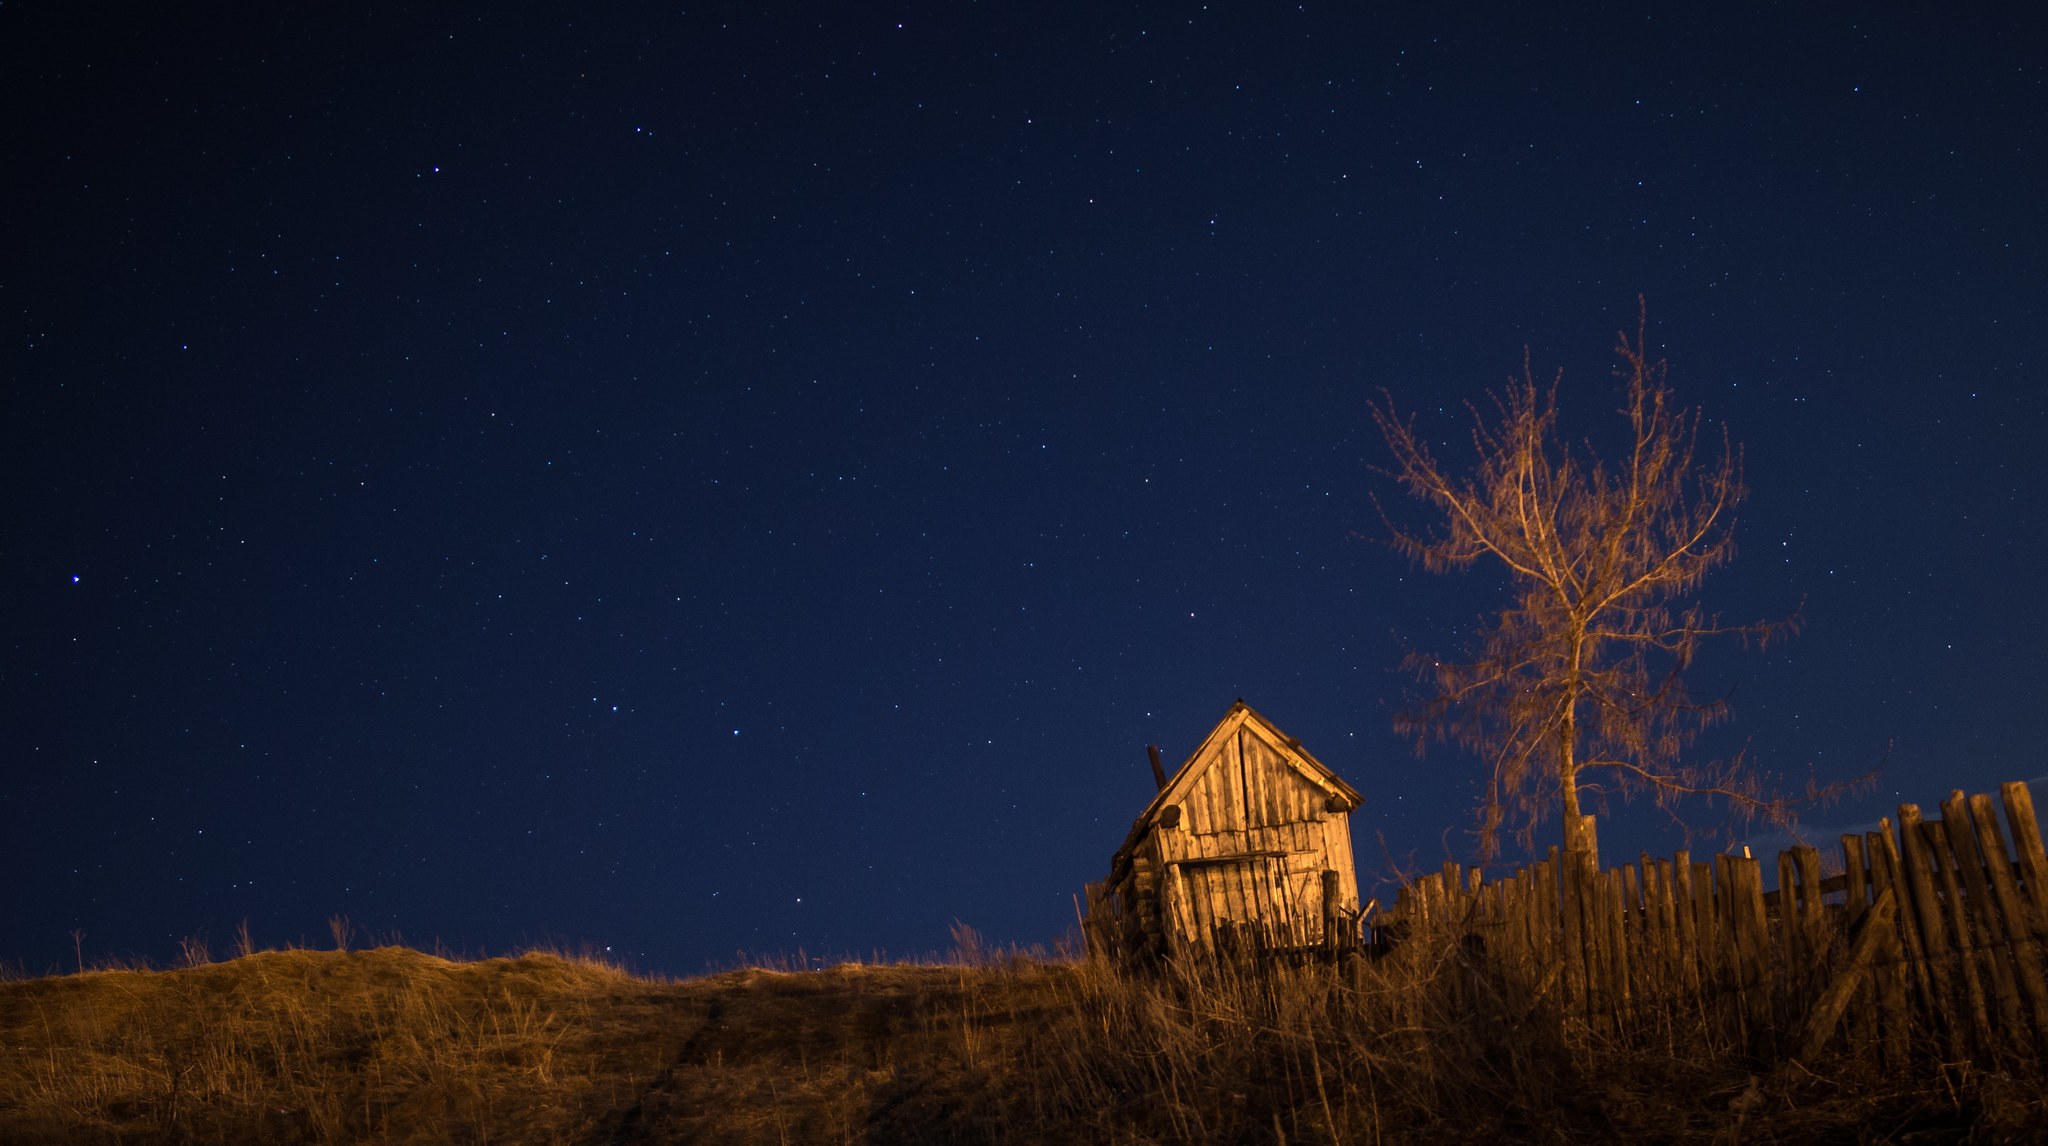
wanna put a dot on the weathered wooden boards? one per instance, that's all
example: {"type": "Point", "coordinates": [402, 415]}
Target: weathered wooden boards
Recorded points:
{"type": "Point", "coordinates": [1933, 939]}
{"type": "Point", "coordinates": [1248, 843]}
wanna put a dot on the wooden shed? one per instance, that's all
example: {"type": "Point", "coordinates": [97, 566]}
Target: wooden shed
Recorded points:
{"type": "Point", "coordinates": [1248, 842]}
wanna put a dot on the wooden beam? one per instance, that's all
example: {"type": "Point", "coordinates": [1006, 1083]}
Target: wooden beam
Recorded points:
{"type": "Point", "coordinates": [1238, 857]}
{"type": "Point", "coordinates": [1876, 932]}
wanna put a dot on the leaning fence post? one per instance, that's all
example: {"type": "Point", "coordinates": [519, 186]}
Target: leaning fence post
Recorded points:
{"type": "Point", "coordinates": [1979, 1015]}
{"type": "Point", "coordinates": [2026, 840]}
{"type": "Point", "coordinates": [1946, 1003]}
{"type": "Point", "coordinates": [1981, 916]}
{"type": "Point", "coordinates": [2026, 954]}
{"type": "Point", "coordinates": [1828, 1011]}
{"type": "Point", "coordinates": [1892, 969]}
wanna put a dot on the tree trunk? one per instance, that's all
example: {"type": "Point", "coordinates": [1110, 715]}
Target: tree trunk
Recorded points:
{"type": "Point", "coordinates": [1579, 833]}
{"type": "Point", "coordinates": [1578, 829]}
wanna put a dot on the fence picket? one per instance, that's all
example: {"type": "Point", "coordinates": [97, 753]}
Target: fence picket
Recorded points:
{"type": "Point", "coordinates": [1858, 879]}
{"type": "Point", "coordinates": [1668, 976]}
{"type": "Point", "coordinates": [1707, 929]}
{"type": "Point", "coordinates": [1855, 881]}
{"type": "Point", "coordinates": [2026, 954]}
{"type": "Point", "coordinates": [1944, 927]}
{"type": "Point", "coordinates": [1978, 1013]}
{"type": "Point", "coordinates": [1599, 955]}
{"type": "Point", "coordinates": [1572, 881]}
{"type": "Point", "coordinates": [1891, 969]}
{"type": "Point", "coordinates": [2026, 842]}
{"type": "Point", "coordinates": [1617, 943]}
{"type": "Point", "coordinates": [1789, 937]}
{"type": "Point", "coordinates": [1828, 1011]}
{"type": "Point", "coordinates": [1946, 999]}
{"type": "Point", "coordinates": [1685, 939]}
{"type": "Point", "coordinates": [1987, 938]}
{"type": "Point", "coordinates": [1752, 936]}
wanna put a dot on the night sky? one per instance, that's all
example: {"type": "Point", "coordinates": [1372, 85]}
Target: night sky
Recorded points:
{"type": "Point", "coordinates": [711, 480]}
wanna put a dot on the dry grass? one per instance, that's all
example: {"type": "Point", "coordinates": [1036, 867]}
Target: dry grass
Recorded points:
{"type": "Point", "coordinates": [394, 1044]}
{"type": "Point", "coordinates": [329, 1046]}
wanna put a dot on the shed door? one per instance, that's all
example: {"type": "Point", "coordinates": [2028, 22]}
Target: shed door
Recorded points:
{"type": "Point", "coordinates": [1242, 901]}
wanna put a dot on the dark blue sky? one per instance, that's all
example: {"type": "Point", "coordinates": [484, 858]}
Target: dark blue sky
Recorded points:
{"type": "Point", "coordinates": [701, 480]}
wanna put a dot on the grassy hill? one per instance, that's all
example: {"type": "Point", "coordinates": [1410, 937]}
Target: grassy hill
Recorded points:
{"type": "Point", "coordinates": [394, 1044]}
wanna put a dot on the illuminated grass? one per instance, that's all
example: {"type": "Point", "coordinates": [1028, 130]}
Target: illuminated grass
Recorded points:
{"type": "Point", "coordinates": [395, 1044]}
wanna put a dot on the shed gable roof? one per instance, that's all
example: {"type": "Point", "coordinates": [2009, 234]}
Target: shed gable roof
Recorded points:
{"type": "Point", "coordinates": [1243, 716]}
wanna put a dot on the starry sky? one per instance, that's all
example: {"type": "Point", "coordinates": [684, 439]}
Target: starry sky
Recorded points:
{"type": "Point", "coordinates": [697, 480]}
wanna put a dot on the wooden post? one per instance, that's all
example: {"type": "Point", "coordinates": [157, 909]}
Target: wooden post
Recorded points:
{"type": "Point", "coordinates": [1863, 1012]}
{"type": "Point", "coordinates": [1891, 970]}
{"type": "Point", "coordinates": [1592, 899]}
{"type": "Point", "coordinates": [1806, 861]}
{"type": "Point", "coordinates": [1752, 936]}
{"type": "Point", "coordinates": [1651, 966]}
{"type": "Point", "coordinates": [1977, 1015]}
{"type": "Point", "coordinates": [1550, 925]}
{"type": "Point", "coordinates": [1724, 920]}
{"type": "Point", "coordinates": [1729, 936]}
{"type": "Point", "coordinates": [1811, 919]}
{"type": "Point", "coordinates": [1333, 890]}
{"type": "Point", "coordinates": [1632, 889]}
{"type": "Point", "coordinates": [1572, 881]}
{"type": "Point", "coordinates": [1617, 944]}
{"type": "Point", "coordinates": [1507, 895]}
{"type": "Point", "coordinates": [1185, 909]}
{"type": "Point", "coordinates": [1646, 951]}
{"type": "Point", "coordinates": [1530, 883]}
{"type": "Point", "coordinates": [1583, 836]}
{"type": "Point", "coordinates": [1828, 1011]}
{"type": "Point", "coordinates": [1521, 907]}
{"type": "Point", "coordinates": [1655, 954]}
{"type": "Point", "coordinates": [1684, 920]}
{"type": "Point", "coordinates": [1859, 879]}
{"type": "Point", "coordinates": [1092, 932]}
{"type": "Point", "coordinates": [1529, 905]}
{"type": "Point", "coordinates": [1454, 896]}
{"type": "Point", "coordinates": [2026, 840]}
{"type": "Point", "coordinates": [1708, 937]}
{"type": "Point", "coordinates": [1598, 946]}
{"type": "Point", "coordinates": [1788, 919]}
{"type": "Point", "coordinates": [1727, 951]}
{"type": "Point", "coordinates": [2026, 953]}
{"type": "Point", "coordinates": [1944, 1001]}
{"type": "Point", "coordinates": [1158, 769]}
{"type": "Point", "coordinates": [1980, 914]}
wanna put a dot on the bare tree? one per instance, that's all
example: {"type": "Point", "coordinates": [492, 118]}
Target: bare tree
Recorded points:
{"type": "Point", "coordinates": [1577, 687]}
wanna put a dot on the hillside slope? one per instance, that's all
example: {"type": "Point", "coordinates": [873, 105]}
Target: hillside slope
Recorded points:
{"type": "Point", "coordinates": [325, 1046]}
{"type": "Point", "coordinates": [396, 1045]}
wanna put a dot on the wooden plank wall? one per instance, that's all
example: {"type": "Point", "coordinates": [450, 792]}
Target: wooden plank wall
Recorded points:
{"type": "Point", "coordinates": [1249, 803]}
{"type": "Point", "coordinates": [1933, 940]}
{"type": "Point", "coordinates": [1247, 856]}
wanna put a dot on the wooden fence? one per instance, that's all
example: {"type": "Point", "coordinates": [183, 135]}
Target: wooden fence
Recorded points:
{"type": "Point", "coordinates": [1929, 941]}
